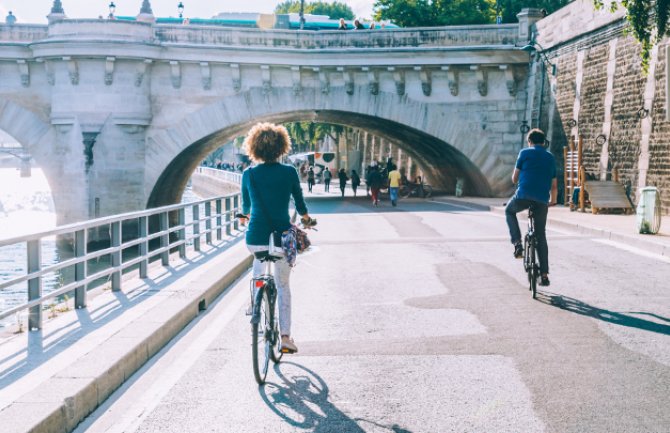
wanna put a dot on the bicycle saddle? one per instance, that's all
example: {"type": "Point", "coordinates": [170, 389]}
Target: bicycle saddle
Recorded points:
{"type": "Point", "coordinates": [265, 256]}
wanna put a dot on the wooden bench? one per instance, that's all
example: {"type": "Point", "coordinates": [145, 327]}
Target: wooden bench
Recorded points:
{"type": "Point", "coordinates": [604, 194]}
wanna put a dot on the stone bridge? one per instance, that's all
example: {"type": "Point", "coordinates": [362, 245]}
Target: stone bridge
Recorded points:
{"type": "Point", "coordinates": [119, 113]}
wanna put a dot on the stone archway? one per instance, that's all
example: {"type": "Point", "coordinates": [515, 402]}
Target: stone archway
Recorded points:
{"type": "Point", "coordinates": [442, 137]}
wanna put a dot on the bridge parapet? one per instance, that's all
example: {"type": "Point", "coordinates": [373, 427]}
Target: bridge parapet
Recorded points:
{"type": "Point", "coordinates": [98, 29]}
{"type": "Point", "coordinates": [455, 36]}
{"type": "Point", "coordinates": [23, 33]}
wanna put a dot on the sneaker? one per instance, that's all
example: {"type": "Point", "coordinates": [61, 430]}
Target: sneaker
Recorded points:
{"type": "Point", "coordinates": [249, 311]}
{"type": "Point", "coordinates": [544, 281]}
{"type": "Point", "coordinates": [288, 345]}
{"type": "Point", "coordinates": [518, 251]}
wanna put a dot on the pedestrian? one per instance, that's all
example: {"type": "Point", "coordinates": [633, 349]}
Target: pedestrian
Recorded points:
{"type": "Point", "coordinates": [343, 180]}
{"type": "Point", "coordinates": [355, 181]}
{"type": "Point", "coordinates": [266, 191]}
{"type": "Point", "coordinates": [327, 176]}
{"type": "Point", "coordinates": [358, 25]}
{"type": "Point", "coordinates": [310, 178]}
{"type": "Point", "coordinates": [394, 184]}
{"type": "Point", "coordinates": [11, 19]}
{"type": "Point", "coordinates": [535, 175]}
{"type": "Point", "coordinates": [343, 25]}
{"type": "Point", "coordinates": [372, 25]}
{"type": "Point", "coordinates": [374, 180]}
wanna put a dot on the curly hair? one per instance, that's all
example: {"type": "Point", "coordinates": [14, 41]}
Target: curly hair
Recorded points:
{"type": "Point", "coordinates": [267, 142]}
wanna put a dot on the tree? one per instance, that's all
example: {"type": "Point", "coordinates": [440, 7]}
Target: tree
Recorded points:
{"type": "Point", "coordinates": [334, 10]}
{"type": "Point", "coordinates": [427, 13]}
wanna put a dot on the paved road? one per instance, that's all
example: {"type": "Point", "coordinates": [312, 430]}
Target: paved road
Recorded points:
{"type": "Point", "coordinates": [417, 319]}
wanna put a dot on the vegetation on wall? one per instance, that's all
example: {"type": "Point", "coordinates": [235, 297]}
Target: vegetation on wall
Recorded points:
{"type": "Point", "coordinates": [648, 22]}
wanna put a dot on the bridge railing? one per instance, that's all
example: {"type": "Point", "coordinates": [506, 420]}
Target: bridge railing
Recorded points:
{"type": "Point", "coordinates": [225, 175]}
{"type": "Point", "coordinates": [472, 35]}
{"type": "Point", "coordinates": [149, 234]}
{"type": "Point", "coordinates": [475, 35]}
{"type": "Point", "coordinates": [23, 33]}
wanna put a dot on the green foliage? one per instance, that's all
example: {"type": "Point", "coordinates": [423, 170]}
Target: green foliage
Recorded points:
{"type": "Point", "coordinates": [305, 136]}
{"type": "Point", "coordinates": [427, 13]}
{"type": "Point", "coordinates": [648, 21]}
{"type": "Point", "coordinates": [335, 10]}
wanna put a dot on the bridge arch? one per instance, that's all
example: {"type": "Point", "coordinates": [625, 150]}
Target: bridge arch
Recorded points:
{"type": "Point", "coordinates": [57, 152]}
{"type": "Point", "coordinates": [449, 141]}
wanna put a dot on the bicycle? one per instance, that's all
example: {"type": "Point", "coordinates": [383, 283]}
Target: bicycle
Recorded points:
{"type": "Point", "coordinates": [530, 259]}
{"type": "Point", "coordinates": [415, 191]}
{"type": "Point", "coordinates": [265, 336]}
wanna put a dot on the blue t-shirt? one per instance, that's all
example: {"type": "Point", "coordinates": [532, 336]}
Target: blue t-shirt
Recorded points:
{"type": "Point", "coordinates": [537, 169]}
{"type": "Point", "coordinates": [275, 183]}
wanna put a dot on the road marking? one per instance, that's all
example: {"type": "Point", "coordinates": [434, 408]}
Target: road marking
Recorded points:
{"type": "Point", "coordinates": [172, 363]}
{"type": "Point", "coordinates": [633, 250]}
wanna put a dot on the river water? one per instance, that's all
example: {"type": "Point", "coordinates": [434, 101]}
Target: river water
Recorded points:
{"type": "Point", "coordinates": [26, 206]}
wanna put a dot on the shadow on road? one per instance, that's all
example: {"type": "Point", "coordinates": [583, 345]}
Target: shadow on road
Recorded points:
{"type": "Point", "coordinates": [301, 399]}
{"type": "Point", "coordinates": [579, 307]}
{"type": "Point", "coordinates": [362, 204]}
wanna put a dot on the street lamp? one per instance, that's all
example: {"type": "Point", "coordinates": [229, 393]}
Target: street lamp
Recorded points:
{"type": "Point", "coordinates": [180, 9]}
{"type": "Point", "coordinates": [533, 46]}
{"type": "Point", "coordinates": [112, 9]}
{"type": "Point", "coordinates": [302, 14]}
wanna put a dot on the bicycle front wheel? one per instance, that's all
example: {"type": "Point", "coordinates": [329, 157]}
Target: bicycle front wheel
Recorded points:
{"type": "Point", "coordinates": [260, 331]}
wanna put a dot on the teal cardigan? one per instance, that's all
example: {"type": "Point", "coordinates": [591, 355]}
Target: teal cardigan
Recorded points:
{"type": "Point", "coordinates": [274, 183]}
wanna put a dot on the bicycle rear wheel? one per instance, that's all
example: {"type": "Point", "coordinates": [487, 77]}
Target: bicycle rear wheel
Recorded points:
{"type": "Point", "coordinates": [260, 330]}
{"type": "Point", "coordinates": [274, 339]}
{"type": "Point", "coordinates": [533, 270]}
{"type": "Point", "coordinates": [427, 191]}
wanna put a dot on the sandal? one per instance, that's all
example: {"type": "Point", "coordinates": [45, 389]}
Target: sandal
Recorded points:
{"type": "Point", "coordinates": [287, 345]}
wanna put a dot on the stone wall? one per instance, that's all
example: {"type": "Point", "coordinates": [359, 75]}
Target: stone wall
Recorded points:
{"type": "Point", "coordinates": [600, 85]}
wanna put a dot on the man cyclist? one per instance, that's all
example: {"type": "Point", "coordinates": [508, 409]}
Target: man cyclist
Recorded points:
{"type": "Point", "coordinates": [535, 173]}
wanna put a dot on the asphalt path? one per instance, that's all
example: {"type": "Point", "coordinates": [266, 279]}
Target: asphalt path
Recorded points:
{"type": "Point", "coordinates": [417, 319]}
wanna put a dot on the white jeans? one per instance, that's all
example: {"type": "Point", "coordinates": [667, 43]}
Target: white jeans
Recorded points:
{"type": "Point", "coordinates": [282, 274]}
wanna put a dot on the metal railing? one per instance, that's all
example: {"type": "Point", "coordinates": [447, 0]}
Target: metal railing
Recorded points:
{"type": "Point", "coordinates": [166, 226]}
{"type": "Point", "coordinates": [224, 175]}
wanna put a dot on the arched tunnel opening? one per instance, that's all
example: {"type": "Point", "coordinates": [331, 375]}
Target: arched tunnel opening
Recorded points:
{"type": "Point", "coordinates": [27, 202]}
{"type": "Point", "coordinates": [441, 162]}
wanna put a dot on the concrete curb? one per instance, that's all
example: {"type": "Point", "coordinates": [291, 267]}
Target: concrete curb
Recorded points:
{"type": "Point", "coordinates": [630, 240]}
{"type": "Point", "coordinates": [60, 403]}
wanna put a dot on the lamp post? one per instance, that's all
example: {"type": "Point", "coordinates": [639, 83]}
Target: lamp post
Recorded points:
{"type": "Point", "coordinates": [112, 9]}
{"type": "Point", "coordinates": [180, 9]}
{"type": "Point", "coordinates": [302, 14]}
{"type": "Point", "coordinates": [545, 63]}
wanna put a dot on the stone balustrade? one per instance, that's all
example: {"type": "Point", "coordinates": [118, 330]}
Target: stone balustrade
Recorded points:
{"type": "Point", "coordinates": [81, 29]}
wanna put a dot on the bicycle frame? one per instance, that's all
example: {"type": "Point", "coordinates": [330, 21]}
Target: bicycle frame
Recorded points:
{"type": "Point", "coordinates": [268, 285]}
{"type": "Point", "coordinates": [530, 253]}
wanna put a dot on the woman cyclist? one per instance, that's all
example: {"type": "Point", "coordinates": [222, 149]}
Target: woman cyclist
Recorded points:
{"type": "Point", "coordinates": [266, 191]}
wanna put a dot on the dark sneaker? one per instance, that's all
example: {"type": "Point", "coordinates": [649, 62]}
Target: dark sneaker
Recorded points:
{"type": "Point", "coordinates": [518, 251]}
{"type": "Point", "coordinates": [544, 281]}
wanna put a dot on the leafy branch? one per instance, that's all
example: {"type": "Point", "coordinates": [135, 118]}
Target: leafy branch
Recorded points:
{"type": "Point", "coordinates": [648, 22]}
